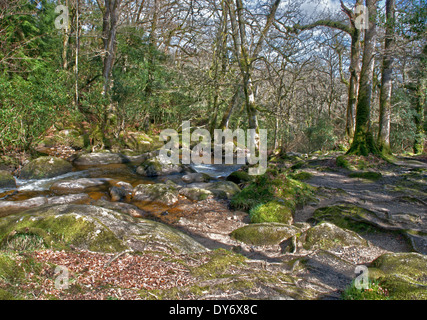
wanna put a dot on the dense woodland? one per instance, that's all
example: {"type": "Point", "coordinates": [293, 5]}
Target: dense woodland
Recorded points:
{"type": "Point", "coordinates": [304, 70]}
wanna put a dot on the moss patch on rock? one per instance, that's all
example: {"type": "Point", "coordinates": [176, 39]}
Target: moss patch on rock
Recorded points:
{"type": "Point", "coordinates": [96, 229]}
{"type": "Point", "coordinates": [220, 261]}
{"type": "Point", "coordinates": [347, 217]}
{"type": "Point", "coordinates": [45, 167]}
{"type": "Point", "coordinates": [264, 234]}
{"type": "Point", "coordinates": [273, 211]}
{"type": "Point", "coordinates": [328, 236]}
{"type": "Point", "coordinates": [369, 175]}
{"type": "Point", "coordinates": [239, 177]}
{"type": "Point", "coordinates": [273, 186]}
{"type": "Point", "coordinates": [7, 180]}
{"type": "Point", "coordinates": [404, 275]}
{"type": "Point", "coordinates": [161, 193]}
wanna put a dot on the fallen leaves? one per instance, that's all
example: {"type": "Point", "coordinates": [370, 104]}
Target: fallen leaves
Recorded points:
{"type": "Point", "coordinates": [96, 276]}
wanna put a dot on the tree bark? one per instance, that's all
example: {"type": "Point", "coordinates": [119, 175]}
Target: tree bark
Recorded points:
{"type": "Point", "coordinates": [363, 142]}
{"type": "Point", "coordinates": [386, 81]}
{"type": "Point", "coordinates": [420, 105]}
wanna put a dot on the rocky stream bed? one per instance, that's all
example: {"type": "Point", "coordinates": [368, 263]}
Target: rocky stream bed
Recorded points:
{"type": "Point", "coordinates": [133, 227]}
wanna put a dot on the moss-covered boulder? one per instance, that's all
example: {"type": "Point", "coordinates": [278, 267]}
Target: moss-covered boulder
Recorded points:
{"type": "Point", "coordinates": [68, 137]}
{"type": "Point", "coordinates": [159, 167]}
{"type": "Point", "coordinates": [328, 236]}
{"type": "Point", "coordinates": [96, 229]}
{"type": "Point", "coordinates": [159, 192]}
{"type": "Point", "coordinates": [45, 167]}
{"type": "Point", "coordinates": [196, 194]}
{"type": "Point", "coordinates": [224, 189]}
{"type": "Point", "coordinates": [273, 211]}
{"type": "Point", "coordinates": [137, 141]}
{"type": "Point", "coordinates": [352, 217]}
{"type": "Point", "coordinates": [404, 275]}
{"type": "Point", "coordinates": [7, 181]}
{"type": "Point", "coordinates": [273, 186]}
{"type": "Point", "coordinates": [239, 177]}
{"type": "Point", "coordinates": [265, 234]}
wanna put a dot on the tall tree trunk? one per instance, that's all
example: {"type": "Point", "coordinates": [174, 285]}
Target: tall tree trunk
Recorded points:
{"type": "Point", "coordinates": [110, 21]}
{"type": "Point", "coordinates": [65, 43]}
{"type": "Point", "coordinates": [386, 81]}
{"type": "Point", "coordinates": [420, 105]}
{"type": "Point", "coordinates": [363, 142]}
{"type": "Point", "coordinates": [353, 88]}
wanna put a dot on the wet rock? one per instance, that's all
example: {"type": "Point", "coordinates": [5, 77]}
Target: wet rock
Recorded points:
{"type": "Point", "coordinates": [7, 180]}
{"type": "Point", "coordinates": [161, 193]}
{"type": "Point", "coordinates": [118, 193]}
{"type": "Point", "coordinates": [11, 207]}
{"type": "Point", "coordinates": [196, 194]}
{"type": "Point", "coordinates": [196, 177]}
{"type": "Point", "coordinates": [265, 234]}
{"type": "Point", "coordinates": [121, 207]}
{"type": "Point", "coordinates": [69, 199]}
{"type": "Point", "coordinates": [100, 158]}
{"type": "Point", "coordinates": [125, 185]}
{"type": "Point", "coordinates": [328, 236]}
{"type": "Point", "coordinates": [221, 189]}
{"type": "Point", "coordinates": [99, 230]}
{"type": "Point", "coordinates": [224, 189]}
{"type": "Point", "coordinates": [80, 186]}
{"type": "Point", "coordinates": [159, 167]}
{"type": "Point", "coordinates": [45, 168]}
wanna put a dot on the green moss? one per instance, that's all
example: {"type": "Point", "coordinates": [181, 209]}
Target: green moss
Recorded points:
{"type": "Point", "coordinates": [10, 271]}
{"type": "Point", "coordinates": [220, 262]}
{"type": "Point", "coordinates": [302, 176]}
{"type": "Point", "coordinates": [343, 162]}
{"type": "Point", "coordinates": [374, 292]}
{"type": "Point", "coordinates": [264, 234]}
{"type": "Point", "coordinates": [272, 211]}
{"type": "Point", "coordinates": [240, 177]}
{"type": "Point", "coordinates": [400, 289]}
{"type": "Point", "coordinates": [346, 217]}
{"type": "Point", "coordinates": [374, 176]}
{"type": "Point", "coordinates": [45, 167]}
{"type": "Point", "coordinates": [62, 231]}
{"type": "Point", "coordinates": [6, 180]}
{"type": "Point", "coordinates": [403, 274]}
{"type": "Point", "coordinates": [269, 187]}
{"type": "Point", "coordinates": [327, 236]}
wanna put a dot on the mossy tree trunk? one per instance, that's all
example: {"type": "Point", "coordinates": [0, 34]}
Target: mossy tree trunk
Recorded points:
{"type": "Point", "coordinates": [420, 105]}
{"type": "Point", "coordinates": [363, 142]}
{"type": "Point", "coordinates": [386, 81]}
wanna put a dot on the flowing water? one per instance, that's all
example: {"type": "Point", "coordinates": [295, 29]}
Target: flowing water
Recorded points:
{"type": "Point", "coordinates": [112, 174]}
